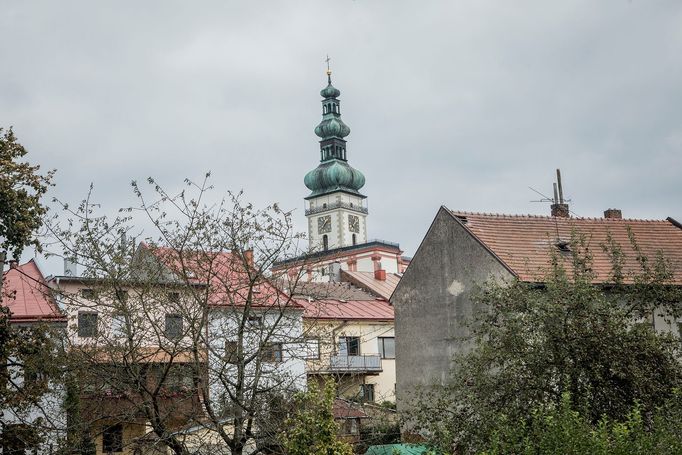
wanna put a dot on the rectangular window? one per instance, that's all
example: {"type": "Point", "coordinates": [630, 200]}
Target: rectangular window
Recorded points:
{"type": "Point", "coordinates": [89, 294]}
{"type": "Point", "coordinates": [87, 325]}
{"type": "Point", "coordinates": [255, 321]}
{"type": "Point", "coordinates": [272, 352]}
{"type": "Point", "coordinates": [387, 347]}
{"type": "Point", "coordinates": [112, 439]}
{"type": "Point", "coordinates": [122, 296]}
{"type": "Point", "coordinates": [312, 349]}
{"type": "Point", "coordinates": [173, 326]}
{"type": "Point", "coordinates": [231, 352]}
{"type": "Point", "coordinates": [174, 297]}
{"type": "Point", "coordinates": [118, 325]}
{"type": "Point", "coordinates": [349, 346]}
{"type": "Point", "coordinates": [367, 392]}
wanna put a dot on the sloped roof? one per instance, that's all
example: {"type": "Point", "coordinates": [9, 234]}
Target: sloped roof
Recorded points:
{"type": "Point", "coordinates": [346, 409]}
{"type": "Point", "coordinates": [331, 290]}
{"type": "Point", "coordinates": [366, 281]}
{"type": "Point", "coordinates": [226, 275]}
{"type": "Point", "coordinates": [375, 310]}
{"type": "Point", "coordinates": [26, 294]}
{"type": "Point", "coordinates": [523, 243]}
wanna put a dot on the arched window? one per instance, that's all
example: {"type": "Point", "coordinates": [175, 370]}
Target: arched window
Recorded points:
{"type": "Point", "coordinates": [324, 109]}
{"type": "Point", "coordinates": [355, 239]}
{"type": "Point", "coordinates": [325, 242]}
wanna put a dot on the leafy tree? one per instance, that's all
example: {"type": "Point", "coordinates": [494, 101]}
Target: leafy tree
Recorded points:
{"type": "Point", "coordinates": [21, 188]}
{"type": "Point", "coordinates": [535, 344]}
{"type": "Point", "coordinates": [312, 429]}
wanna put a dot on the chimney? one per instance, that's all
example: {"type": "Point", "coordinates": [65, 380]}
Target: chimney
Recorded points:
{"type": "Point", "coordinates": [13, 263]}
{"type": "Point", "coordinates": [613, 214]}
{"type": "Point", "coordinates": [380, 275]}
{"type": "Point", "coordinates": [559, 206]}
{"type": "Point", "coordinates": [248, 257]}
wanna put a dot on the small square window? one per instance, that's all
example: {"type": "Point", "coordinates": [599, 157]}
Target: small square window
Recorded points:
{"type": "Point", "coordinates": [112, 439]}
{"type": "Point", "coordinates": [272, 352]}
{"type": "Point", "coordinates": [255, 321]}
{"type": "Point", "coordinates": [349, 346]}
{"type": "Point", "coordinates": [88, 294]}
{"type": "Point", "coordinates": [87, 325]}
{"type": "Point", "coordinates": [174, 297]}
{"type": "Point", "coordinates": [118, 325]}
{"type": "Point", "coordinates": [173, 326]}
{"type": "Point", "coordinates": [367, 392]}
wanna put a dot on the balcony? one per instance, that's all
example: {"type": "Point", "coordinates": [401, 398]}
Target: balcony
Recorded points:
{"type": "Point", "coordinates": [355, 364]}
{"type": "Point", "coordinates": [335, 205]}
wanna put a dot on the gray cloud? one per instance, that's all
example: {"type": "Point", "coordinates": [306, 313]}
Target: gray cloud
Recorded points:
{"type": "Point", "coordinates": [462, 103]}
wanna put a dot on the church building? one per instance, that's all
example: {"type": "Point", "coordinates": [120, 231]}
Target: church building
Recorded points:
{"type": "Point", "coordinates": [337, 211]}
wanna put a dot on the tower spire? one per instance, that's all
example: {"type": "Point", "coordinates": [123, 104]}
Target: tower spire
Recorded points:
{"type": "Point", "coordinates": [329, 71]}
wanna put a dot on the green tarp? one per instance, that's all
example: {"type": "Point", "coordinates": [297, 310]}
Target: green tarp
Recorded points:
{"type": "Point", "coordinates": [402, 449]}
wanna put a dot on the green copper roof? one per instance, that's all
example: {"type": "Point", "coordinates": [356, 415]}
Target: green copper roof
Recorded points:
{"type": "Point", "coordinates": [334, 173]}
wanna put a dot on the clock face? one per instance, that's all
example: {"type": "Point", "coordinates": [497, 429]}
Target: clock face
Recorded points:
{"type": "Point", "coordinates": [354, 224]}
{"type": "Point", "coordinates": [324, 224]}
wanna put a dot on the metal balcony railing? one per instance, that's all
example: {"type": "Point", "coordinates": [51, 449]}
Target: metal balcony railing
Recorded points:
{"type": "Point", "coordinates": [355, 363]}
{"type": "Point", "coordinates": [336, 205]}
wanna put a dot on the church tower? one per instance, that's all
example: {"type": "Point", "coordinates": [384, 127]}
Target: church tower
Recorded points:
{"type": "Point", "coordinates": [335, 208]}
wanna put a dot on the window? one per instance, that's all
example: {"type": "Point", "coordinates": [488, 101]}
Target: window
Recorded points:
{"type": "Point", "coordinates": [387, 347]}
{"type": "Point", "coordinates": [367, 392]}
{"type": "Point", "coordinates": [112, 439]}
{"type": "Point", "coordinates": [355, 239]}
{"type": "Point", "coordinates": [173, 326]}
{"type": "Point", "coordinates": [174, 297]}
{"type": "Point", "coordinates": [121, 295]}
{"type": "Point", "coordinates": [87, 325]}
{"type": "Point", "coordinates": [350, 426]}
{"type": "Point", "coordinates": [349, 346]}
{"type": "Point", "coordinates": [89, 294]}
{"type": "Point", "coordinates": [255, 321]}
{"type": "Point", "coordinates": [312, 349]}
{"type": "Point", "coordinates": [231, 352]}
{"type": "Point", "coordinates": [15, 439]}
{"type": "Point", "coordinates": [118, 325]}
{"type": "Point", "coordinates": [272, 352]}
{"type": "Point", "coordinates": [325, 242]}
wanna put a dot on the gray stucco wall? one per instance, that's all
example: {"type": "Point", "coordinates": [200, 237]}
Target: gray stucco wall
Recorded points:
{"type": "Point", "coordinates": [433, 302]}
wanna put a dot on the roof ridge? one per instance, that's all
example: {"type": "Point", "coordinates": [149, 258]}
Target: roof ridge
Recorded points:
{"type": "Point", "coordinates": [549, 217]}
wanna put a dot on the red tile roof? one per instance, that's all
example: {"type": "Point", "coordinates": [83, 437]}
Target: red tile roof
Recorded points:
{"type": "Point", "coordinates": [523, 242]}
{"type": "Point", "coordinates": [227, 276]}
{"type": "Point", "coordinates": [366, 281]}
{"type": "Point", "coordinates": [374, 310]}
{"type": "Point", "coordinates": [25, 292]}
{"type": "Point", "coordinates": [345, 409]}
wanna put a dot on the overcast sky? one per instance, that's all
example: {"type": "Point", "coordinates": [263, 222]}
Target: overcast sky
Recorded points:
{"type": "Point", "coordinates": [457, 103]}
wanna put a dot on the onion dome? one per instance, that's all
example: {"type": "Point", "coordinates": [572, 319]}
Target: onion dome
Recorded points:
{"type": "Point", "coordinates": [332, 127]}
{"type": "Point", "coordinates": [330, 91]}
{"type": "Point", "coordinates": [334, 175]}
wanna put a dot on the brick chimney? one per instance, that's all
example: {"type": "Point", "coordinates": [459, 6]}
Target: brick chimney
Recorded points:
{"type": "Point", "coordinates": [380, 275]}
{"type": "Point", "coordinates": [560, 210]}
{"type": "Point", "coordinates": [613, 214]}
{"type": "Point", "coordinates": [13, 263]}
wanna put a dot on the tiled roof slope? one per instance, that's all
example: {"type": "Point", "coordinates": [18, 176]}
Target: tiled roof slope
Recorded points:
{"type": "Point", "coordinates": [366, 281]}
{"type": "Point", "coordinates": [524, 242]}
{"type": "Point", "coordinates": [331, 290]}
{"type": "Point", "coordinates": [227, 278]}
{"type": "Point", "coordinates": [27, 295]}
{"type": "Point", "coordinates": [360, 310]}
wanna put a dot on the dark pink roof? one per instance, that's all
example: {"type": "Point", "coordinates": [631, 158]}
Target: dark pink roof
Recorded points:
{"type": "Point", "coordinates": [375, 310]}
{"type": "Point", "coordinates": [26, 294]}
{"type": "Point", "coordinates": [366, 281]}
{"type": "Point", "coordinates": [226, 275]}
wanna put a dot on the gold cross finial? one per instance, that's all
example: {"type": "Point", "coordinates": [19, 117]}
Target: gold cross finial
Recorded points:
{"type": "Point", "coordinates": [329, 71]}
